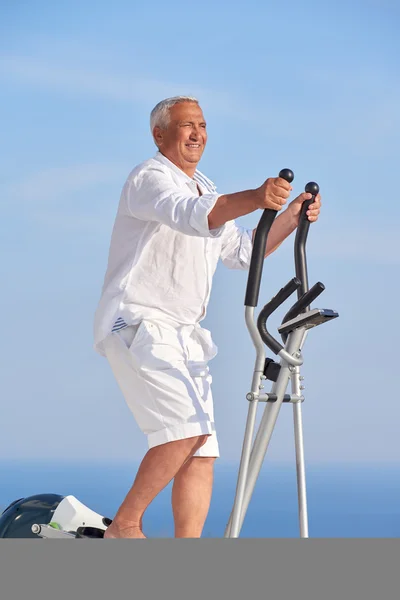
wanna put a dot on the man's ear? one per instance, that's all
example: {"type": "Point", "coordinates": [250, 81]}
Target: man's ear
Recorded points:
{"type": "Point", "coordinates": [158, 135]}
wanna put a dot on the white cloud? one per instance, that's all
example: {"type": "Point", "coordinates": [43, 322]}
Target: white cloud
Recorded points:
{"type": "Point", "coordinates": [54, 183]}
{"type": "Point", "coordinates": [368, 101]}
{"type": "Point", "coordinates": [368, 244]}
{"type": "Point", "coordinates": [64, 197]}
{"type": "Point", "coordinates": [353, 114]}
{"type": "Point", "coordinates": [75, 80]}
{"type": "Point", "coordinates": [120, 88]}
{"type": "Point", "coordinates": [357, 111]}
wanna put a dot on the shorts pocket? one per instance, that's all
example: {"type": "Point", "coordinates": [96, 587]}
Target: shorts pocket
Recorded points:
{"type": "Point", "coordinates": [157, 347]}
{"type": "Point", "coordinates": [138, 334]}
{"type": "Point", "coordinates": [129, 334]}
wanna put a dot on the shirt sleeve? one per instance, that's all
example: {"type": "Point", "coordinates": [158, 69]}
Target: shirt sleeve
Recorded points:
{"type": "Point", "coordinates": [237, 246]}
{"type": "Point", "coordinates": [153, 196]}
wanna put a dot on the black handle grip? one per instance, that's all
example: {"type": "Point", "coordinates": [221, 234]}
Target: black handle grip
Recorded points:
{"type": "Point", "coordinates": [302, 304]}
{"type": "Point", "coordinates": [300, 260]}
{"type": "Point", "coordinates": [258, 253]}
{"type": "Point", "coordinates": [269, 308]}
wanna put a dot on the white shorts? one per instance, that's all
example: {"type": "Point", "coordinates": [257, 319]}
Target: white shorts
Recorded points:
{"type": "Point", "coordinates": [163, 373]}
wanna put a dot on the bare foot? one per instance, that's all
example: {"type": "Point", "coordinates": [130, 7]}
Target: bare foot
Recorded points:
{"type": "Point", "coordinates": [127, 531]}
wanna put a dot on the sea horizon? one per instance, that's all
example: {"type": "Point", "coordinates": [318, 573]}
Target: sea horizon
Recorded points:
{"type": "Point", "coordinates": [344, 500]}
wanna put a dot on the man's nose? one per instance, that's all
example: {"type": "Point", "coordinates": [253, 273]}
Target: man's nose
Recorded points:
{"type": "Point", "coordinates": [194, 134]}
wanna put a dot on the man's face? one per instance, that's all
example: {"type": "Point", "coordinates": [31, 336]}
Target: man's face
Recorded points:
{"type": "Point", "coordinates": [185, 138]}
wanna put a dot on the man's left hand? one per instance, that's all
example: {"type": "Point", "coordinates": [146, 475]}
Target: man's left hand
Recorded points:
{"type": "Point", "coordinates": [313, 210]}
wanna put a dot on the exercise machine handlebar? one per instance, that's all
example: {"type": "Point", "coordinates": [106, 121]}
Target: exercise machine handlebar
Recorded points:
{"type": "Point", "coordinates": [302, 304]}
{"type": "Point", "coordinates": [269, 308]}
{"type": "Point", "coordinates": [300, 260]}
{"type": "Point", "coordinates": [260, 240]}
{"type": "Point", "coordinates": [299, 321]}
{"type": "Point", "coordinates": [299, 283]}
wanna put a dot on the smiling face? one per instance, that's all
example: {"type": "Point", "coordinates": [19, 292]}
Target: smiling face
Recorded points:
{"type": "Point", "coordinates": [184, 139]}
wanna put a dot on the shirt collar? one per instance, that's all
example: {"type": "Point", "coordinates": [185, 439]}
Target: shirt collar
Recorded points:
{"type": "Point", "coordinates": [199, 179]}
{"type": "Point", "coordinates": [160, 157]}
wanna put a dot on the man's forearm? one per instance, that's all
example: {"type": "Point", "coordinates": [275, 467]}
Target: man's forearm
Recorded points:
{"type": "Point", "coordinates": [232, 206]}
{"type": "Point", "coordinates": [272, 195]}
{"type": "Point", "coordinates": [284, 224]}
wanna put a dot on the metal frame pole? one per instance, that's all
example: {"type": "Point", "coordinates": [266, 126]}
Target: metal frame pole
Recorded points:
{"type": "Point", "coordinates": [233, 525]}
{"type": "Point", "coordinates": [262, 439]}
{"type": "Point", "coordinates": [252, 458]}
{"type": "Point", "coordinates": [300, 463]}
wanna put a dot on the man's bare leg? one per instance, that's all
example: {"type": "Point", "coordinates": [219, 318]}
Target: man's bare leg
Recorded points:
{"type": "Point", "coordinates": [191, 496]}
{"type": "Point", "coordinates": [156, 470]}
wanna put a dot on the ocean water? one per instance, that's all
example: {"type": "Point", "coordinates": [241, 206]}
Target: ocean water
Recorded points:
{"type": "Point", "coordinates": [347, 501]}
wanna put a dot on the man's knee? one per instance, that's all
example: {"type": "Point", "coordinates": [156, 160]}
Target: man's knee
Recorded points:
{"type": "Point", "coordinates": [206, 461]}
{"type": "Point", "coordinates": [202, 440]}
{"type": "Point", "coordinates": [192, 443]}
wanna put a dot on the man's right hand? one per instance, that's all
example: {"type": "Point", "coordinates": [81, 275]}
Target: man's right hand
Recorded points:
{"type": "Point", "coordinates": [273, 193]}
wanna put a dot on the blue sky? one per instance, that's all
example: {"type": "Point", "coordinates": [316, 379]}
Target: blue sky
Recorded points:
{"type": "Point", "coordinates": [313, 86]}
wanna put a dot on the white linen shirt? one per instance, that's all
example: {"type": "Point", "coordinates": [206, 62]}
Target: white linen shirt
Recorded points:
{"type": "Point", "coordinates": [162, 254]}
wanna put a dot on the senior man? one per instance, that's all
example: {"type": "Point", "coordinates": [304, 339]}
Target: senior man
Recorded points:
{"type": "Point", "coordinates": [170, 230]}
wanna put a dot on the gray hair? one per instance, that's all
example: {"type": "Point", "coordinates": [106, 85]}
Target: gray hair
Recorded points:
{"type": "Point", "coordinates": [160, 116]}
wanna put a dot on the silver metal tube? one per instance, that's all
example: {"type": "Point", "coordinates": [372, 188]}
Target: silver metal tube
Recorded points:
{"type": "Point", "coordinates": [232, 528]}
{"type": "Point", "coordinates": [48, 532]}
{"type": "Point", "coordinates": [300, 464]}
{"type": "Point", "coordinates": [254, 333]}
{"type": "Point", "coordinates": [268, 423]}
{"type": "Point", "coordinates": [290, 359]}
{"type": "Point", "coordinates": [299, 447]}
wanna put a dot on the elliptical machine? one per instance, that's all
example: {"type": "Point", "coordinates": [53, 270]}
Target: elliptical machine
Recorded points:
{"type": "Point", "coordinates": [64, 517]}
{"type": "Point", "coordinates": [293, 330]}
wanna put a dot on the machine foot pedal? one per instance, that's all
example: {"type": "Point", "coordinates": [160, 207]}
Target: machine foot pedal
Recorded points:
{"type": "Point", "coordinates": [89, 532]}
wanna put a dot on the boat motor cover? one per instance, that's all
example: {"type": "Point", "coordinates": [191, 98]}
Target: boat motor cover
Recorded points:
{"type": "Point", "coordinates": [17, 519]}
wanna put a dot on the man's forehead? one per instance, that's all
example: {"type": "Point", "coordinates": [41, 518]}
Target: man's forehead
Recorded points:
{"type": "Point", "coordinates": [184, 110]}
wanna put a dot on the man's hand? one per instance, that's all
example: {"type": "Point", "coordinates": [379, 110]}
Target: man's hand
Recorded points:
{"type": "Point", "coordinates": [272, 194]}
{"type": "Point", "coordinates": [313, 211]}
